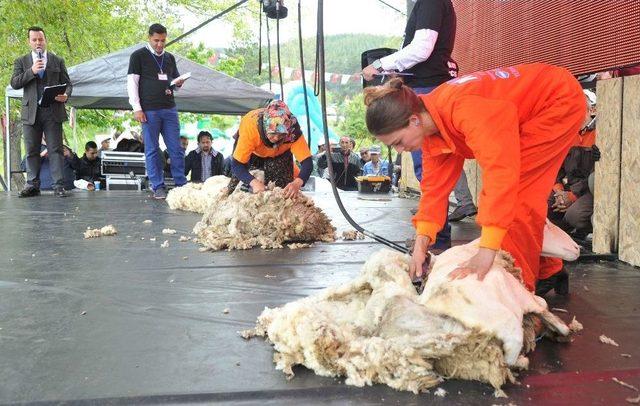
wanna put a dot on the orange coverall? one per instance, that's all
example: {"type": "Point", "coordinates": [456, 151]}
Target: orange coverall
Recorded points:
{"type": "Point", "coordinates": [518, 123]}
{"type": "Point", "coordinates": [249, 143]}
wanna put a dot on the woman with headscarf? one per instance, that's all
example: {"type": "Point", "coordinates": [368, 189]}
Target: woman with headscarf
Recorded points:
{"type": "Point", "coordinates": [268, 139]}
{"type": "Point", "coordinates": [518, 123]}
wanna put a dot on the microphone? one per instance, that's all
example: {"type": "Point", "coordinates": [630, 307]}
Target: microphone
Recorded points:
{"type": "Point", "coordinates": [39, 50]}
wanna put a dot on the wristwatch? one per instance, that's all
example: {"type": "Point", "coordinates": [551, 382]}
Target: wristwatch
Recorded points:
{"type": "Point", "coordinates": [377, 65]}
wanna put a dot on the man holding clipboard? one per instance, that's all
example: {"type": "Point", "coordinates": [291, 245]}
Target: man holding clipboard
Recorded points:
{"type": "Point", "coordinates": [33, 73]}
{"type": "Point", "coordinates": [152, 78]}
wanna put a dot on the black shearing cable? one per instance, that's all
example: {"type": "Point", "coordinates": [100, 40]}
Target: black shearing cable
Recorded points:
{"type": "Point", "coordinates": [323, 102]}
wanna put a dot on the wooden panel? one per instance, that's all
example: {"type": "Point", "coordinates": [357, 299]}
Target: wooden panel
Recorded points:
{"type": "Point", "coordinates": [629, 246]}
{"type": "Point", "coordinates": [408, 178]}
{"type": "Point", "coordinates": [607, 172]}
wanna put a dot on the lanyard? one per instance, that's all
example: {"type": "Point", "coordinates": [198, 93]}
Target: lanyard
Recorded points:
{"type": "Point", "coordinates": [161, 64]}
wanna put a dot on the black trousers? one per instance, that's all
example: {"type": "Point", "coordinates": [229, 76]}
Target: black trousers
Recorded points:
{"type": "Point", "coordinates": [44, 125]}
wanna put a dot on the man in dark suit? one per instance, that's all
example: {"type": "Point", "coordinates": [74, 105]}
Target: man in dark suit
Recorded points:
{"type": "Point", "coordinates": [204, 162]}
{"type": "Point", "coordinates": [32, 72]}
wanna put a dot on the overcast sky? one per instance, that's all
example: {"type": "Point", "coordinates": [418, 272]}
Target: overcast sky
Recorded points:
{"type": "Point", "coordinates": [340, 16]}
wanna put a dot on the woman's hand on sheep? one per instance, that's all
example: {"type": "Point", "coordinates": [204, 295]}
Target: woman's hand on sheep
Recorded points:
{"type": "Point", "coordinates": [257, 186]}
{"type": "Point", "coordinates": [420, 248]}
{"type": "Point", "coordinates": [478, 265]}
{"type": "Point", "coordinates": [293, 188]}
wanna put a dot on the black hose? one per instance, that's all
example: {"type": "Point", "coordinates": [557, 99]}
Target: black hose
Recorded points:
{"type": "Point", "coordinates": [316, 82]}
{"type": "Point", "coordinates": [269, 54]}
{"type": "Point", "coordinates": [323, 102]}
{"type": "Point", "coordinates": [278, 49]}
{"type": "Point", "coordinates": [260, 41]}
{"type": "Point", "coordinates": [304, 80]}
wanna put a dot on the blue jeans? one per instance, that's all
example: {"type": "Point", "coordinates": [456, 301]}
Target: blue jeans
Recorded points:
{"type": "Point", "coordinates": [443, 238]}
{"type": "Point", "coordinates": [163, 121]}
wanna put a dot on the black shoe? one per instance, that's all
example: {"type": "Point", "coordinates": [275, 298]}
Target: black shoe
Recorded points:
{"type": "Point", "coordinates": [60, 192]}
{"type": "Point", "coordinates": [462, 212]}
{"type": "Point", "coordinates": [29, 191]}
{"type": "Point", "coordinates": [160, 193]}
{"type": "Point", "coordinates": [558, 282]}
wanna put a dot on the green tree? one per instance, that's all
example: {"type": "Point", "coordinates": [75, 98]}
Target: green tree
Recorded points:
{"type": "Point", "coordinates": [353, 122]}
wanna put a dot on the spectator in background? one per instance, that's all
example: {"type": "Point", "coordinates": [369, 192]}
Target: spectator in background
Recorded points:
{"type": "Point", "coordinates": [46, 180]}
{"type": "Point", "coordinates": [204, 161]}
{"type": "Point", "coordinates": [321, 150]}
{"type": "Point", "coordinates": [397, 170]}
{"type": "Point", "coordinates": [89, 167]}
{"type": "Point", "coordinates": [134, 144]}
{"type": "Point", "coordinates": [184, 144]}
{"type": "Point", "coordinates": [346, 165]}
{"type": "Point", "coordinates": [364, 156]}
{"type": "Point", "coordinates": [104, 146]}
{"type": "Point", "coordinates": [571, 201]}
{"type": "Point", "coordinates": [376, 167]}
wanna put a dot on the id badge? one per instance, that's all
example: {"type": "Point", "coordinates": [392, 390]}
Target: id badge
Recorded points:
{"type": "Point", "coordinates": [162, 76]}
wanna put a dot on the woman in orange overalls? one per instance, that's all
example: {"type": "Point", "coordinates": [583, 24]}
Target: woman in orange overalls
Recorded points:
{"type": "Point", "coordinates": [518, 123]}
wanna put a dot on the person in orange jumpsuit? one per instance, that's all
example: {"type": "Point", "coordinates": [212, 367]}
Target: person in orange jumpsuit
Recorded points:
{"type": "Point", "coordinates": [268, 139]}
{"type": "Point", "coordinates": [518, 123]}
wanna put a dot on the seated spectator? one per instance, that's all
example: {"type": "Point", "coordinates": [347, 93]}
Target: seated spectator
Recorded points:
{"type": "Point", "coordinates": [184, 143]}
{"type": "Point", "coordinates": [104, 146]}
{"type": "Point", "coordinates": [397, 170]}
{"type": "Point", "coordinates": [204, 161]}
{"type": "Point", "coordinates": [571, 201]}
{"type": "Point", "coordinates": [346, 165]}
{"type": "Point", "coordinates": [375, 167]}
{"type": "Point", "coordinates": [321, 150]}
{"type": "Point", "coordinates": [130, 145]}
{"type": "Point", "coordinates": [364, 156]}
{"type": "Point", "coordinates": [89, 167]}
{"type": "Point", "coordinates": [46, 181]}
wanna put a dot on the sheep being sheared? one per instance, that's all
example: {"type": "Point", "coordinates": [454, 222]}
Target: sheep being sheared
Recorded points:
{"type": "Point", "coordinates": [245, 220]}
{"type": "Point", "coordinates": [197, 197]}
{"type": "Point", "coordinates": [268, 219]}
{"type": "Point", "coordinates": [377, 329]}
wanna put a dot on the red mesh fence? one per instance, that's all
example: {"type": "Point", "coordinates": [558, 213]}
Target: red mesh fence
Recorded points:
{"type": "Point", "coordinates": [584, 36]}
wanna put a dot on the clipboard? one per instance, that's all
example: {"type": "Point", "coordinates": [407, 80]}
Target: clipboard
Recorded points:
{"type": "Point", "coordinates": [49, 94]}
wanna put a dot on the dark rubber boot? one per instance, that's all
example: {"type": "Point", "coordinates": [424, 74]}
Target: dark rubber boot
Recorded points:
{"type": "Point", "coordinates": [558, 282]}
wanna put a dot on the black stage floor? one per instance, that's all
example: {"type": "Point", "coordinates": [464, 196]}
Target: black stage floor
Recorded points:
{"type": "Point", "coordinates": [121, 320]}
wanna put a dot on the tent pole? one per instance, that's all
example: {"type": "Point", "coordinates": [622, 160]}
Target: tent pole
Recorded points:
{"type": "Point", "coordinates": [7, 146]}
{"type": "Point", "coordinates": [75, 128]}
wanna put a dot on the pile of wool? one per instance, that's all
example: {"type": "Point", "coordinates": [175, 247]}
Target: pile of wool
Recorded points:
{"type": "Point", "coordinates": [99, 232]}
{"type": "Point", "coordinates": [268, 219]}
{"type": "Point", "coordinates": [377, 329]}
{"type": "Point", "coordinates": [197, 197]}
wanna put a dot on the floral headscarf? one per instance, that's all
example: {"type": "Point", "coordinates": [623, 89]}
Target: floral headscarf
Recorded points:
{"type": "Point", "coordinates": [277, 118]}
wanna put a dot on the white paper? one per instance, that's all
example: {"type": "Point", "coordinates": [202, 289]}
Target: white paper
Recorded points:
{"type": "Point", "coordinates": [181, 77]}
